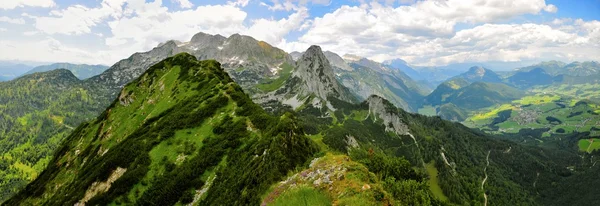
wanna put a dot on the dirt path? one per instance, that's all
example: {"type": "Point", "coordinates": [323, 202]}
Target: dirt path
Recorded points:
{"type": "Point", "coordinates": [590, 146]}
{"type": "Point", "coordinates": [487, 159]}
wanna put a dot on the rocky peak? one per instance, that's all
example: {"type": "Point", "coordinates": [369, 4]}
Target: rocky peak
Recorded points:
{"type": "Point", "coordinates": [382, 109]}
{"type": "Point", "coordinates": [337, 62]}
{"type": "Point", "coordinates": [315, 71]}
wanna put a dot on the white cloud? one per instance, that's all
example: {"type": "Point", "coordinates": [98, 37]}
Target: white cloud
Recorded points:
{"type": "Point", "coordinates": [273, 31]}
{"type": "Point", "coordinates": [147, 29]}
{"type": "Point", "coordinates": [184, 4]}
{"type": "Point", "coordinates": [241, 3]}
{"type": "Point", "coordinates": [30, 33]}
{"type": "Point", "coordinates": [137, 25]}
{"type": "Point", "coordinates": [78, 19]}
{"type": "Point", "coordinates": [3, 29]}
{"type": "Point", "coordinates": [11, 20]}
{"type": "Point", "coordinates": [424, 32]}
{"type": "Point", "coordinates": [11, 4]}
{"type": "Point", "coordinates": [550, 8]}
{"type": "Point", "coordinates": [289, 5]}
{"type": "Point", "coordinates": [49, 50]}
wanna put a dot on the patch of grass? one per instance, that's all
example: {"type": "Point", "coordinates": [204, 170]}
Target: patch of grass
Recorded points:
{"type": "Point", "coordinates": [302, 196]}
{"type": "Point", "coordinates": [427, 110]}
{"type": "Point", "coordinates": [491, 113]}
{"type": "Point", "coordinates": [434, 184]}
{"type": "Point", "coordinates": [537, 99]}
{"type": "Point", "coordinates": [589, 145]}
{"type": "Point", "coordinates": [29, 172]}
{"type": "Point", "coordinates": [274, 84]}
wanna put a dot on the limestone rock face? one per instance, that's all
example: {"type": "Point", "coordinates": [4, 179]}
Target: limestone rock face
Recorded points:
{"type": "Point", "coordinates": [317, 77]}
{"type": "Point", "coordinates": [337, 62]}
{"type": "Point", "coordinates": [380, 109]}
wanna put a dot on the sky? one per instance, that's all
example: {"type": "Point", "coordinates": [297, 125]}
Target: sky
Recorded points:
{"type": "Point", "coordinates": [423, 33]}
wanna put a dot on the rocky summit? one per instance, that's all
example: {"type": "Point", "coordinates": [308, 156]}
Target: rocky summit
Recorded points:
{"type": "Point", "coordinates": [312, 81]}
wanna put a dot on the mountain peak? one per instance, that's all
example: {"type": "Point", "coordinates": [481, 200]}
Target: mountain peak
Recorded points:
{"type": "Point", "coordinates": [477, 70]}
{"type": "Point", "coordinates": [478, 73]}
{"type": "Point", "coordinates": [313, 50]}
{"type": "Point", "coordinates": [313, 76]}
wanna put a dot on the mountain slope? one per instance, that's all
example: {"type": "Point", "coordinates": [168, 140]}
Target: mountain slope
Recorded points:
{"type": "Point", "coordinates": [182, 132]}
{"type": "Point", "coordinates": [366, 77]}
{"type": "Point", "coordinates": [479, 95]}
{"type": "Point", "coordinates": [37, 112]}
{"type": "Point", "coordinates": [456, 159]}
{"type": "Point", "coordinates": [527, 79]}
{"type": "Point", "coordinates": [81, 71]}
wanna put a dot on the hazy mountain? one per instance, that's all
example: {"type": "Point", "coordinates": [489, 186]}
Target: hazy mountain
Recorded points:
{"type": "Point", "coordinates": [465, 97]}
{"type": "Point", "coordinates": [403, 66]}
{"type": "Point", "coordinates": [81, 71]}
{"type": "Point", "coordinates": [527, 79]}
{"type": "Point", "coordinates": [556, 68]}
{"type": "Point", "coordinates": [9, 71]}
{"type": "Point", "coordinates": [480, 74]}
{"type": "Point", "coordinates": [481, 94]}
{"type": "Point", "coordinates": [337, 62]}
{"type": "Point", "coordinates": [296, 55]}
{"type": "Point", "coordinates": [368, 77]}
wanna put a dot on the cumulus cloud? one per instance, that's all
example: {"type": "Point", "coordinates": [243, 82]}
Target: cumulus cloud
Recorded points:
{"type": "Point", "coordinates": [11, 20]}
{"type": "Point", "coordinates": [551, 8]}
{"type": "Point", "coordinates": [78, 19]}
{"type": "Point", "coordinates": [184, 4]}
{"type": "Point", "coordinates": [11, 4]}
{"type": "Point", "coordinates": [424, 33]}
{"type": "Point", "coordinates": [289, 5]}
{"type": "Point", "coordinates": [273, 31]}
{"type": "Point", "coordinates": [241, 3]}
{"type": "Point", "coordinates": [30, 33]}
{"type": "Point", "coordinates": [147, 29]}
{"type": "Point", "coordinates": [137, 25]}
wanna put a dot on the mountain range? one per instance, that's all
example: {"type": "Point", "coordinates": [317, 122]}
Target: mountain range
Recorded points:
{"type": "Point", "coordinates": [81, 71]}
{"type": "Point", "coordinates": [235, 121]}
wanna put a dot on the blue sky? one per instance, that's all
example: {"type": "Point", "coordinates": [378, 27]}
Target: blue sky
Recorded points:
{"type": "Point", "coordinates": [428, 32]}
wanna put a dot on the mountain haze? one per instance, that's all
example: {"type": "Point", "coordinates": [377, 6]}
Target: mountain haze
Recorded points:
{"type": "Point", "coordinates": [81, 71]}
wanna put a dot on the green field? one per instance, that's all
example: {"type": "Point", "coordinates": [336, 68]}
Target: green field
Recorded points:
{"type": "Point", "coordinates": [534, 112]}
{"type": "Point", "coordinates": [427, 110]}
{"type": "Point", "coordinates": [302, 196]}
{"type": "Point", "coordinates": [589, 145]}
{"type": "Point", "coordinates": [269, 85]}
{"type": "Point", "coordinates": [434, 184]}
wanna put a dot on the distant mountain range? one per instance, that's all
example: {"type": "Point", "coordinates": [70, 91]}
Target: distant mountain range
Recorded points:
{"type": "Point", "coordinates": [10, 71]}
{"type": "Point", "coordinates": [81, 71]}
